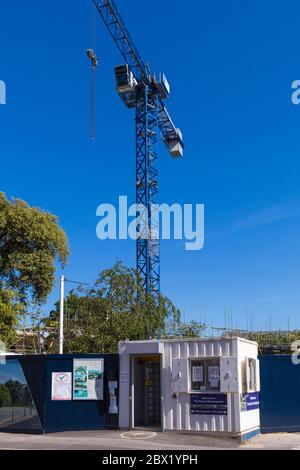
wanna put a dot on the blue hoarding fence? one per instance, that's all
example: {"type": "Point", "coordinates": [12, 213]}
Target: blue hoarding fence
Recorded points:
{"type": "Point", "coordinates": [279, 396]}
{"type": "Point", "coordinates": [28, 402]}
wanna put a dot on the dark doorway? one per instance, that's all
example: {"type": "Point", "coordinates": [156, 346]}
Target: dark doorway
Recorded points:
{"type": "Point", "coordinates": [147, 391]}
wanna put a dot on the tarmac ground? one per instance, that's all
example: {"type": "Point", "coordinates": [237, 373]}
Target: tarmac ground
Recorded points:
{"type": "Point", "coordinates": [143, 440]}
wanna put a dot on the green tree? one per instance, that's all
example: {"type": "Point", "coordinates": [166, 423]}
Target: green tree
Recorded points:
{"type": "Point", "coordinates": [31, 241]}
{"type": "Point", "coordinates": [116, 308]}
{"type": "Point", "coordinates": [275, 342]}
{"type": "Point", "coordinates": [10, 309]}
{"type": "Point", "coordinates": [16, 390]}
{"type": "Point", "coordinates": [191, 329]}
{"type": "Point", "coordinates": [5, 398]}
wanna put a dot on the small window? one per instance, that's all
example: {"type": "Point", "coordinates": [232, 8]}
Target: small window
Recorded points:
{"type": "Point", "coordinates": [251, 375]}
{"type": "Point", "coordinates": [205, 375]}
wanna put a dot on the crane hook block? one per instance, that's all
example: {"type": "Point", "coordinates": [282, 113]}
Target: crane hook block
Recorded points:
{"type": "Point", "coordinates": [92, 56]}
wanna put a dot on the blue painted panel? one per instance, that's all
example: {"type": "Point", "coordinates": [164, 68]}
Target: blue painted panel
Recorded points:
{"type": "Point", "coordinates": [249, 435]}
{"type": "Point", "coordinates": [35, 373]}
{"type": "Point", "coordinates": [280, 387]}
{"type": "Point", "coordinates": [79, 415]}
{"type": "Point", "coordinates": [34, 370]}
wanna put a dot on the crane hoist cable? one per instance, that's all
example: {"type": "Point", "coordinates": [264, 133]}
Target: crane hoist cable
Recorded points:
{"type": "Point", "coordinates": [94, 62]}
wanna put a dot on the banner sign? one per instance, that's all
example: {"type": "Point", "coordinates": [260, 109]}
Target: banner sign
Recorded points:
{"type": "Point", "coordinates": [61, 386]}
{"type": "Point", "coordinates": [249, 401]}
{"type": "Point", "coordinates": [88, 379]}
{"type": "Point", "coordinates": [209, 404]}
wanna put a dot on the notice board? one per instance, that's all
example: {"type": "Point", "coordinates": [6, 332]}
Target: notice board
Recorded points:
{"type": "Point", "coordinates": [88, 379]}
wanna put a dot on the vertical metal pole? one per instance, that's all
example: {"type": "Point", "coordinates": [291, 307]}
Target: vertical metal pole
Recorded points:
{"type": "Point", "coordinates": [61, 314]}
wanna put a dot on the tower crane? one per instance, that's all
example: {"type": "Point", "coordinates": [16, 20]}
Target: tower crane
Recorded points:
{"type": "Point", "coordinates": [141, 89]}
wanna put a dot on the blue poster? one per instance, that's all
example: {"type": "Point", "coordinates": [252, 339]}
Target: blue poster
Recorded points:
{"type": "Point", "coordinates": [209, 404]}
{"type": "Point", "coordinates": [250, 401]}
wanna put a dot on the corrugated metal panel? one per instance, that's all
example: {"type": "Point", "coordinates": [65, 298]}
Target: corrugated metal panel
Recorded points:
{"type": "Point", "coordinates": [177, 413]}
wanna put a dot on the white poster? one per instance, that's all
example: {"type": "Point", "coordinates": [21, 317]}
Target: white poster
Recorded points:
{"type": "Point", "coordinates": [61, 386]}
{"type": "Point", "coordinates": [88, 379]}
{"type": "Point", "coordinates": [112, 387]}
{"type": "Point", "coordinates": [214, 376]}
{"type": "Point", "coordinates": [197, 374]}
{"type": "Point", "coordinates": [113, 406]}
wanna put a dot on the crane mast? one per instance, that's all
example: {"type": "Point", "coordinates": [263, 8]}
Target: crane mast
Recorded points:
{"type": "Point", "coordinates": [139, 88]}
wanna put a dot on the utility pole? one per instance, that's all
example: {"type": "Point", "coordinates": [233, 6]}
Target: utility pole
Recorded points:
{"type": "Point", "coordinates": [61, 314]}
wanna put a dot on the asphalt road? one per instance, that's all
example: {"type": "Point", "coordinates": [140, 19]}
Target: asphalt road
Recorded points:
{"type": "Point", "coordinates": [116, 440]}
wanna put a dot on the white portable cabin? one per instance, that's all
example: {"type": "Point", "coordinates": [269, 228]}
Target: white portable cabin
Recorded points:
{"type": "Point", "coordinates": [196, 385]}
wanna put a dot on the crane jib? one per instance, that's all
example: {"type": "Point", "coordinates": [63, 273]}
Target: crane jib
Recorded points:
{"type": "Point", "coordinates": [122, 37]}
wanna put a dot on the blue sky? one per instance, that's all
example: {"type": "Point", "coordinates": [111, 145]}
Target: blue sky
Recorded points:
{"type": "Point", "coordinates": [231, 65]}
{"type": "Point", "coordinates": [12, 370]}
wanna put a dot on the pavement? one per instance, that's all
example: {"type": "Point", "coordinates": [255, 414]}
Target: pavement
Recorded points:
{"type": "Point", "coordinates": [143, 440]}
